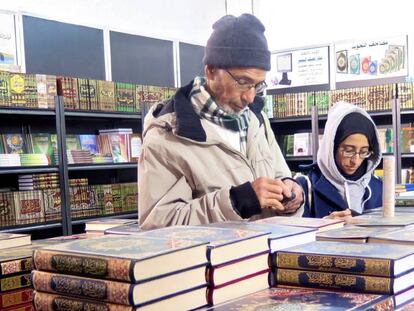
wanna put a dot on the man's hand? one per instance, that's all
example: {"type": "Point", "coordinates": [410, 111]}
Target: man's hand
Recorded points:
{"type": "Point", "coordinates": [344, 215]}
{"type": "Point", "coordinates": [270, 192]}
{"type": "Point", "coordinates": [292, 205]}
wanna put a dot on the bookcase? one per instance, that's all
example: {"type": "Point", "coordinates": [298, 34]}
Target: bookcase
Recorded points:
{"type": "Point", "coordinates": [390, 113]}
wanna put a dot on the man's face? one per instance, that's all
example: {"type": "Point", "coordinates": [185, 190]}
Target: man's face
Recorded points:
{"type": "Point", "coordinates": [233, 89]}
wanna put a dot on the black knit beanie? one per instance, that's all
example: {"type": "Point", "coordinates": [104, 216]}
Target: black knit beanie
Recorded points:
{"type": "Point", "coordinates": [237, 42]}
{"type": "Point", "coordinates": [356, 123]}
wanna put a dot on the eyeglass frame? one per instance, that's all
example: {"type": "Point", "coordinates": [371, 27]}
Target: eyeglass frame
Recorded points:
{"type": "Point", "coordinates": [354, 153]}
{"type": "Point", "coordinates": [258, 87]}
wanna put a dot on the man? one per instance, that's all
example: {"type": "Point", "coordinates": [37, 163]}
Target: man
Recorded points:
{"type": "Point", "coordinates": [209, 154]}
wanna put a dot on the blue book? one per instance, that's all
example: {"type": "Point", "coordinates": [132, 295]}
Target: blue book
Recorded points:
{"type": "Point", "coordinates": [125, 258]}
{"type": "Point", "coordinates": [306, 299]}
{"type": "Point", "coordinates": [88, 143]}
{"type": "Point", "coordinates": [224, 244]}
{"type": "Point", "coordinates": [369, 259]}
{"type": "Point", "coordinates": [280, 236]}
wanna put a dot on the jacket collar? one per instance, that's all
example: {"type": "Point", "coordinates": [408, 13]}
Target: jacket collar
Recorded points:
{"type": "Point", "coordinates": [188, 123]}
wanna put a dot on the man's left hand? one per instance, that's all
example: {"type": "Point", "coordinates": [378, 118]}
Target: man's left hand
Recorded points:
{"type": "Point", "coordinates": [292, 205]}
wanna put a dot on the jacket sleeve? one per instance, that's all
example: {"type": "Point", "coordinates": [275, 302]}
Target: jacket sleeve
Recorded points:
{"type": "Point", "coordinates": [166, 197]}
{"type": "Point", "coordinates": [301, 180]}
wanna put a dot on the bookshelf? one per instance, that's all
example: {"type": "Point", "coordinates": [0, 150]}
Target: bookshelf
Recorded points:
{"type": "Point", "coordinates": [392, 116]}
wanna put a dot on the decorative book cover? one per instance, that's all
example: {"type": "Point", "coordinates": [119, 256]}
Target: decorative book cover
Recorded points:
{"type": "Point", "coordinates": [16, 297]}
{"type": "Point", "coordinates": [225, 244]}
{"type": "Point", "coordinates": [14, 143]}
{"type": "Point", "coordinates": [25, 307]}
{"type": "Point", "coordinates": [93, 94]}
{"type": "Point", "coordinates": [316, 223]}
{"type": "Point", "coordinates": [29, 207]}
{"type": "Point", "coordinates": [350, 233]}
{"type": "Point", "coordinates": [306, 300]}
{"type": "Point", "coordinates": [380, 221]}
{"type": "Point", "coordinates": [124, 229]}
{"type": "Point", "coordinates": [17, 89]}
{"type": "Point", "coordinates": [125, 258]}
{"type": "Point", "coordinates": [51, 91]}
{"type": "Point", "coordinates": [73, 142]}
{"type": "Point", "coordinates": [342, 281]}
{"type": "Point", "coordinates": [42, 94]}
{"type": "Point", "coordinates": [106, 223]}
{"type": "Point", "coordinates": [370, 259]}
{"type": "Point", "coordinates": [88, 143]}
{"type": "Point", "coordinates": [120, 292]}
{"type": "Point", "coordinates": [83, 92]}
{"type": "Point", "coordinates": [106, 95]}
{"type": "Point", "coordinates": [404, 236]}
{"type": "Point", "coordinates": [4, 88]}
{"type": "Point", "coordinates": [42, 144]}
{"type": "Point", "coordinates": [15, 282]}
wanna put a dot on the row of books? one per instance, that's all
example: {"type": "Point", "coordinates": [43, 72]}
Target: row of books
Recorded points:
{"type": "Point", "coordinates": [98, 95]}
{"type": "Point", "coordinates": [110, 146]}
{"type": "Point", "coordinates": [39, 91]}
{"type": "Point", "coordinates": [371, 98]}
{"type": "Point", "coordinates": [46, 181]}
{"type": "Point", "coordinates": [39, 206]}
{"type": "Point", "coordinates": [27, 90]}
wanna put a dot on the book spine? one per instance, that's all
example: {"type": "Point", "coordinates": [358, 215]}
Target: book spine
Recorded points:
{"type": "Point", "coordinates": [103, 290]}
{"type": "Point", "coordinates": [14, 266]}
{"type": "Point", "coordinates": [15, 282]}
{"type": "Point", "coordinates": [26, 307]}
{"type": "Point", "coordinates": [51, 302]}
{"type": "Point", "coordinates": [96, 267]}
{"type": "Point", "coordinates": [347, 282]}
{"type": "Point", "coordinates": [366, 266]}
{"type": "Point", "coordinates": [15, 298]}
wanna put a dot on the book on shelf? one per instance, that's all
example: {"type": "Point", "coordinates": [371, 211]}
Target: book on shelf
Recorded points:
{"type": "Point", "coordinates": [352, 234]}
{"type": "Point", "coordinates": [312, 223]}
{"type": "Point", "coordinates": [68, 88]}
{"type": "Point", "coordinates": [135, 143]}
{"type": "Point", "coordinates": [14, 143]}
{"type": "Point", "coordinates": [100, 225]}
{"type": "Point", "coordinates": [302, 144]}
{"type": "Point", "coordinates": [9, 240]}
{"type": "Point", "coordinates": [123, 258]}
{"type": "Point", "coordinates": [279, 236]}
{"type": "Point", "coordinates": [296, 298]}
{"type": "Point", "coordinates": [133, 294]}
{"type": "Point", "coordinates": [16, 298]}
{"type": "Point", "coordinates": [88, 143]}
{"type": "Point", "coordinates": [106, 95]}
{"type": "Point", "coordinates": [224, 244]}
{"type": "Point", "coordinates": [29, 207]}
{"type": "Point", "coordinates": [403, 236]}
{"type": "Point", "coordinates": [93, 94]}
{"type": "Point", "coordinates": [367, 259]}
{"type": "Point", "coordinates": [4, 88]}
{"type": "Point", "coordinates": [187, 300]}
{"type": "Point", "coordinates": [343, 281]}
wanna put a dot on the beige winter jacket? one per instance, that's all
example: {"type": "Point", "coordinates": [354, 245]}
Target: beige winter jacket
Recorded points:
{"type": "Point", "coordinates": [186, 170]}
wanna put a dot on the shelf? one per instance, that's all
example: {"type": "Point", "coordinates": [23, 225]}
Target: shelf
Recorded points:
{"type": "Point", "coordinates": [299, 158]}
{"type": "Point", "coordinates": [28, 169]}
{"type": "Point", "coordinates": [27, 111]}
{"type": "Point", "coordinates": [123, 215]}
{"type": "Point", "coordinates": [111, 166]}
{"type": "Point", "coordinates": [105, 115]}
{"type": "Point", "coordinates": [373, 114]}
{"type": "Point", "coordinates": [407, 111]}
{"type": "Point", "coordinates": [407, 155]}
{"type": "Point", "coordinates": [291, 119]}
{"type": "Point", "coordinates": [31, 227]}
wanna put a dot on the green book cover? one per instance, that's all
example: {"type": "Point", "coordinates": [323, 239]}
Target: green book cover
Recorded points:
{"type": "Point", "coordinates": [73, 142]}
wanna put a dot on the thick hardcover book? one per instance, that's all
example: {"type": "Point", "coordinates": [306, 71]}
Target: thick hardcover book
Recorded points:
{"type": "Point", "coordinates": [225, 244]}
{"type": "Point", "coordinates": [306, 299]}
{"type": "Point", "coordinates": [17, 89]}
{"type": "Point", "coordinates": [403, 236]}
{"type": "Point", "coordinates": [106, 95]}
{"type": "Point", "coordinates": [16, 297]}
{"type": "Point", "coordinates": [25, 307]}
{"type": "Point", "coordinates": [51, 91]}
{"type": "Point", "coordinates": [342, 281]}
{"type": "Point", "coordinates": [369, 259]}
{"type": "Point", "coordinates": [83, 92]}
{"type": "Point", "coordinates": [280, 236]}
{"type": "Point", "coordinates": [124, 258]}
{"type": "Point", "coordinates": [8, 214]}
{"type": "Point", "coordinates": [4, 88]}
{"type": "Point", "coordinates": [124, 229]}
{"type": "Point", "coordinates": [244, 286]}
{"type": "Point", "coordinates": [313, 223]}
{"type": "Point", "coordinates": [119, 292]}
{"type": "Point", "coordinates": [29, 207]}
{"type": "Point", "coordinates": [14, 143]}
{"type": "Point", "coordinates": [106, 223]}
{"type": "Point", "coordinates": [350, 233]}
{"type": "Point", "coordinates": [377, 220]}
{"type": "Point", "coordinates": [8, 283]}
{"type": "Point", "coordinates": [230, 272]}
{"type": "Point", "coordinates": [188, 300]}
{"type": "Point", "coordinates": [10, 240]}
{"type": "Point", "coordinates": [93, 94]}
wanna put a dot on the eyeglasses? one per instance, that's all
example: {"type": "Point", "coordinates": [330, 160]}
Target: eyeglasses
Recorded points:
{"type": "Point", "coordinates": [259, 87]}
{"type": "Point", "coordinates": [363, 154]}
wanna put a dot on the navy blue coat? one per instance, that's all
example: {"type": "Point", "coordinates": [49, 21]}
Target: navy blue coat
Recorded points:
{"type": "Point", "coordinates": [326, 198]}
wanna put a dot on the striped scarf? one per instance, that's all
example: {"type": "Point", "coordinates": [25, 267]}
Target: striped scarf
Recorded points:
{"type": "Point", "coordinates": [207, 108]}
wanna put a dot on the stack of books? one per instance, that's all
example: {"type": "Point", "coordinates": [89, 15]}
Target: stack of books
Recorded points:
{"type": "Point", "coordinates": [367, 268]}
{"type": "Point", "coordinates": [38, 181]}
{"type": "Point", "coordinates": [8, 160]}
{"type": "Point", "coordinates": [100, 225]}
{"type": "Point", "coordinates": [312, 223]}
{"type": "Point", "coordinates": [121, 273]}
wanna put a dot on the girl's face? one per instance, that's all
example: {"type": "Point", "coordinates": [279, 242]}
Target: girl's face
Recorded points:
{"type": "Point", "coordinates": [352, 152]}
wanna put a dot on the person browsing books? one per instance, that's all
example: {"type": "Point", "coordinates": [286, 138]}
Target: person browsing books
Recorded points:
{"type": "Point", "coordinates": [341, 183]}
{"type": "Point", "coordinates": [208, 153]}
